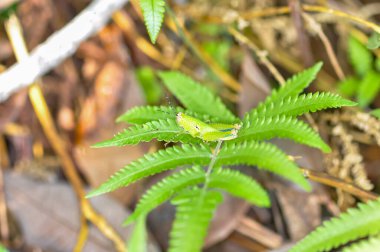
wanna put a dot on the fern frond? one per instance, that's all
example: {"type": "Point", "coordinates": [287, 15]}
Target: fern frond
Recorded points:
{"type": "Point", "coordinates": [370, 245]}
{"type": "Point", "coordinates": [163, 130]}
{"type": "Point", "coordinates": [195, 210]}
{"type": "Point", "coordinates": [265, 155]}
{"type": "Point", "coordinates": [234, 182]}
{"type": "Point", "coordinates": [154, 163]}
{"type": "Point", "coordinates": [144, 114]}
{"type": "Point", "coordinates": [265, 128]}
{"type": "Point", "coordinates": [196, 97]}
{"type": "Point", "coordinates": [296, 84]}
{"type": "Point", "coordinates": [239, 185]}
{"type": "Point", "coordinates": [138, 241]}
{"type": "Point", "coordinates": [298, 105]}
{"type": "Point", "coordinates": [165, 189]}
{"type": "Point", "coordinates": [355, 223]}
{"type": "Point", "coordinates": [153, 11]}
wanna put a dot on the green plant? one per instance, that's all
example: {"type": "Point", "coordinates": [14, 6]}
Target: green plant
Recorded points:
{"type": "Point", "coordinates": [356, 223]}
{"type": "Point", "coordinates": [153, 12]}
{"type": "Point", "coordinates": [365, 84]}
{"type": "Point", "coordinates": [196, 190]}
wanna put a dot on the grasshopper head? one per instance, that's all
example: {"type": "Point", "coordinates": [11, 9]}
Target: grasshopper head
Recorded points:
{"type": "Point", "coordinates": [179, 117]}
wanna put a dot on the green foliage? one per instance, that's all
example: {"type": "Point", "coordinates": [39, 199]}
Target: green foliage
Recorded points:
{"type": "Point", "coordinates": [295, 85]}
{"type": "Point", "coordinates": [374, 41]}
{"type": "Point", "coordinates": [145, 114]}
{"type": "Point", "coordinates": [234, 182]}
{"type": "Point", "coordinates": [153, 12]}
{"type": "Point", "coordinates": [263, 128]}
{"type": "Point", "coordinates": [138, 240]}
{"type": "Point", "coordinates": [194, 212]}
{"type": "Point", "coordinates": [376, 113]}
{"type": "Point", "coordinates": [196, 97]}
{"type": "Point", "coordinates": [361, 59]}
{"type": "Point", "coordinates": [368, 89]}
{"type": "Point", "coordinates": [349, 87]}
{"type": "Point", "coordinates": [8, 11]}
{"type": "Point", "coordinates": [354, 224]}
{"type": "Point", "coordinates": [207, 119]}
{"type": "Point", "coordinates": [154, 163]}
{"type": "Point", "coordinates": [370, 245]}
{"type": "Point", "coordinates": [298, 105]}
{"type": "Point", "coordinates": [264, 155]}
{"type": "Point", "coordinates": [149, 84]}
{"type": "Point", "coordinates": [163, 130]}
{"type": "Point", "coordinates": [366, 84]}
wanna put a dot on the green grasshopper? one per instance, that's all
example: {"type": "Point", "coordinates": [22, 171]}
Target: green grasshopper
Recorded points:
{"type": "Point", "coordinates": [207, 132]}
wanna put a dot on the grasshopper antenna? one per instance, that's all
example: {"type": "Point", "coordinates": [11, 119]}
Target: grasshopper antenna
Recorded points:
{"type": "Point", "coordinates": [170, 104]}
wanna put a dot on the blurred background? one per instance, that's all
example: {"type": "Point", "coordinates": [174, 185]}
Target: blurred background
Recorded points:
{"type": "Point", "coordinates": [241, 49]}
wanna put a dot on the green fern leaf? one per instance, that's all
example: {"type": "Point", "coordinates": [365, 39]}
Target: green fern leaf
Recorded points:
{"type": "Point", "coordinates": [239, 185]}
{"type": "Point", "coordinates": [153, 12]}
{"type": "Point", "coordinates": [162, 130]}
{"type": "Point", "coordinates": [355, 223]}
{"type": "Point", "coordinates": [154, 163]}
{"type": "Point", "coordinates": [264, 155]}
{"type": "Point", "coordinates": [195, 210]}
{"type": "Point", "coordinates": [264, 128]}
{"type": "Point", "coordinates": [298, 105]}
{"type": "Point", "coordinates": [234, 182]}
{"type": "Point", "coordinates": [165, 189]}
{"type": "Point", "coordinates": [360, 57]}
{"type": "Point", "coordinates": [138, 240]}
{"type": "Point", "coordinates": [368, 88]}
{"type": "Point", "coordinates": [196, 97]}
{"type": "Point", "coordinates": [370, 245]}
{"type": "Point", "coordinates": [144, 114]}
{"type": "Point", "coordinates": [296, 84]}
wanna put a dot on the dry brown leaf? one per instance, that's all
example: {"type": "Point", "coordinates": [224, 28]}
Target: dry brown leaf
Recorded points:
{"type": "Point", "coordinates": [49, 215]}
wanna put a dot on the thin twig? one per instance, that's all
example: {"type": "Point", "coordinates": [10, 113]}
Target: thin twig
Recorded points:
{"type": "Point", "coordinates": [83, 234]}
{"type": "Point", "coordinates": [41, 109]}
{"type": "Point", "coordinates": [303, 40]}
{"type": "Point", "coordinates": [316, 27]}
{"type": "Point", "coordinates": [273, 11]}
{"type": "Point", "coordinates": [223, 75]}
{"type": "Point", "coordinates": [338, 183]}
{"type": "Point", "coordinates": [4, 226]}
{"type": "Point", "coordinates": [58, 46]}
{"type": "Point", "coordinates": [262, 55]}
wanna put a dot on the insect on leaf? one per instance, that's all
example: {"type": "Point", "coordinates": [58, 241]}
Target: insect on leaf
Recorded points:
{"type": "Point", "coordinates": [195, 96]}
{"type": "Point", "coordinates": [163, 130]}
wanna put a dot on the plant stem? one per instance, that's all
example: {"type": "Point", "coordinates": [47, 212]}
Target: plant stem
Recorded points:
{"type": "Point", "coordinates": [211, 165]}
